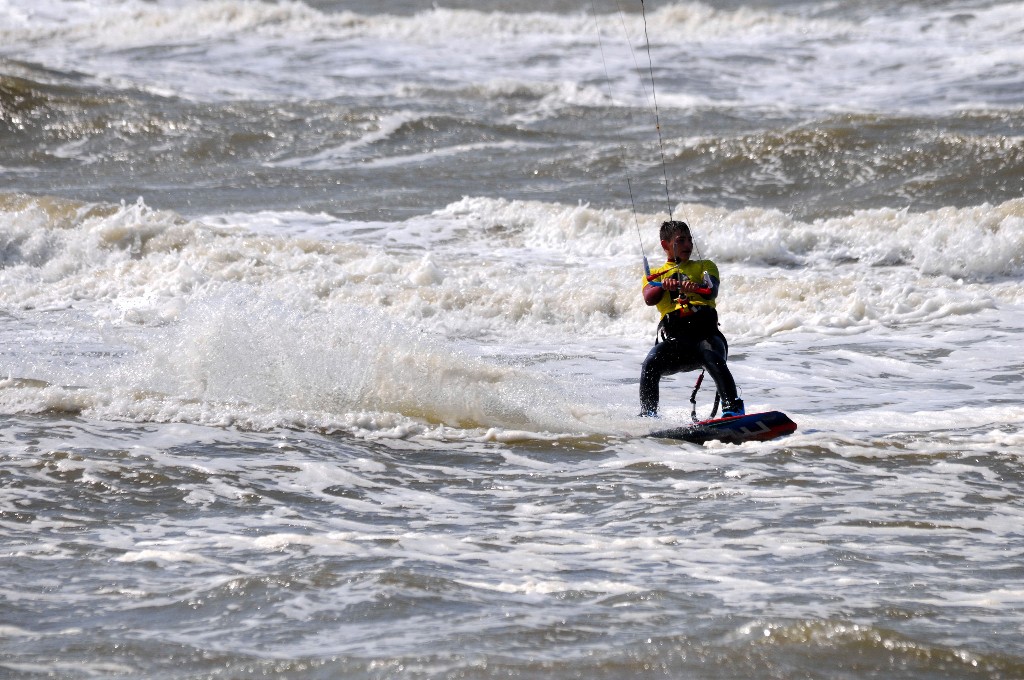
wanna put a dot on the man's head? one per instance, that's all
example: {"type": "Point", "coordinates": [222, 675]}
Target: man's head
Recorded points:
{"type": "Point", "coordinates": [676, 240]}
{"type": "Point", "coordinates": [673, 228]}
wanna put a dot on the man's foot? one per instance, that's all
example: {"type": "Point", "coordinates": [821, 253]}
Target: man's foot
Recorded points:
{"type": "Point", "coordinates": [647, 413]}
{"type": "Point", "coordinates": [734, 409]}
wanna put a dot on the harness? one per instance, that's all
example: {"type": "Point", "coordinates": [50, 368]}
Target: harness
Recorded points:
{"type": "Point", "coordinates": [690, 317]}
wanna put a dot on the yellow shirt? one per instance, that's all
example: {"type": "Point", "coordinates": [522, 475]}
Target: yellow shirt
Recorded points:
{"type": "Point", "coordinates": [692, 270]}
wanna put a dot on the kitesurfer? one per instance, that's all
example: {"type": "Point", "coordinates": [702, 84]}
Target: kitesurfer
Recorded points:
{"type": "Point", "coordinates": [684, 291]}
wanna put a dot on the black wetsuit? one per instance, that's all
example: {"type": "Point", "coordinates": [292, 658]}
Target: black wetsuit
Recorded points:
{"type": "Point", "coordinates": [687, 344]}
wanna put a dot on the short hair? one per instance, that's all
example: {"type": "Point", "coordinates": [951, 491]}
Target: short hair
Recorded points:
{"type": "Point", "coordinates": [671, 228]}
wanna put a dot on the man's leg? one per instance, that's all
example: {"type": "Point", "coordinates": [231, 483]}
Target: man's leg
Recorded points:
{"type": "Point", "coordinates": [663, 359]}
{"type": "Point", "coordinates": [713, 354]}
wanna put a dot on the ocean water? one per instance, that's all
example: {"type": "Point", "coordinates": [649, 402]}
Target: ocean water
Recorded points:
{"type": "Point", "coordinates": [320, 337]}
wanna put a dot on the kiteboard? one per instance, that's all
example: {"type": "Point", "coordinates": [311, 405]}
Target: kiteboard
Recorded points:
{"type": "Point", "coordinates": [752, 427]}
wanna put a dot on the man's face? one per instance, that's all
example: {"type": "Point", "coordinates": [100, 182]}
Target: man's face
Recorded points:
{"type": "Point", "coordinates": [678, 247]}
